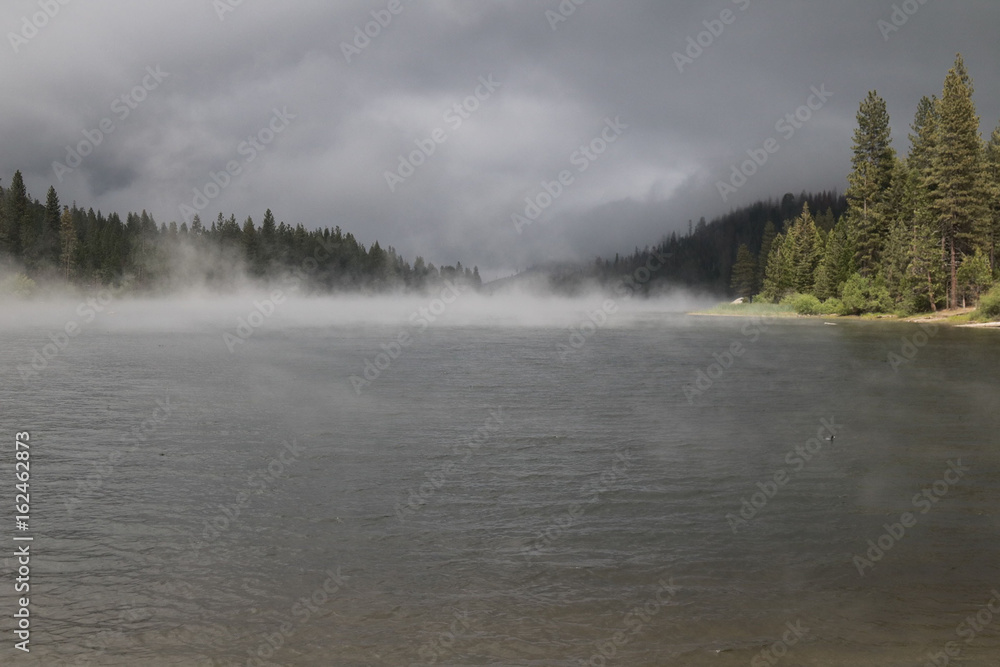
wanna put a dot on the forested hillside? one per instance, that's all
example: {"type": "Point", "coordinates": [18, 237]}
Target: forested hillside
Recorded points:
{"type": "Point", "coordinates": [46, 241]}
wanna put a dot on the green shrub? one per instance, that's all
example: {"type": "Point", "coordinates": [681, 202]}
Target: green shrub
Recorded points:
{"type": "Point", "coordinates": [863, 295]}
{"type": "Point", "coordinates": [832, 306]}
{"type": "Point", "coordinates": [804, 304]}
{"type": "Point", "coordinates": [989, 305]}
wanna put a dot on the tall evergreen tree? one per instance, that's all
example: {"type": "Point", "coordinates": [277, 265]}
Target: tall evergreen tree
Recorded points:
{"type": "Point", "coordinates": [48, 234]}
{"type": "Point", "coordinates": [779, 276]}
{"type": "Point", "coordinates": [974, 277]}
{"type": "Point", "coordinates": [869, 182]}
{"type": "Point", "coordinates": [767, 241]}
{"type": "Point", "coordinates": [923, 139]}
{"type": "Point", "coordinates": [806, 251]}
{"type": "Point", "coordinates": [926, 266]}
{"type": "Point", "coordinates": [992, 186]}
{"type": "Point", "coordinates": [267, 228]}
{"type": "Point", "coordinates": [16, 214]}
{"type": "Point", "coordinates": [837, 263]}
{"type": "Point", "coordinates": [957, 172]}
{"type": "Point", "coordinates": [251, 246]}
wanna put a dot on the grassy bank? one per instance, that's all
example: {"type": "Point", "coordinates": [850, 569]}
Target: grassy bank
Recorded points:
{"type": "Point", "coordinates": [959, 317]}
{"type": "Point", "coordinates": [751, 310]}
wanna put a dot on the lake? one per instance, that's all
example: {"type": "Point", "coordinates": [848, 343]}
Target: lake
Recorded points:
{"type": "Point", "coordinates": [503, 485]}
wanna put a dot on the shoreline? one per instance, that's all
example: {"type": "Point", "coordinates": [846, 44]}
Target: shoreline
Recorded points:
{"type": "Point", "coordinates": [949, 318]}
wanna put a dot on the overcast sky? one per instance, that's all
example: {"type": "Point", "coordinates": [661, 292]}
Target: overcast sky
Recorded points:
{"type": "Point", "coordinates": [331, 112]}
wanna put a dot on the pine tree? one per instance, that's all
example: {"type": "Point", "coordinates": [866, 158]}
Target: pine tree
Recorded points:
{"type": "Point", "coordinates": [923, 140]}
{"type": "Point", "coordinates": [744, 272]}
{"type": "Point", "coordinates": [15, 214]}
{"type": "Point", "coordinates": [779, 276]}
{"type": "Point", "coordinates": [975, 276]}
{"type": "Point", "coordinates": [926, 267]}
{"type": "Point", "coordinates": [870, 180]}
{"type": "Point", "coordinates": [837, 263]}
{"type": "Point", "coordinates": [770, 233]}
{"type": "Point", "coordinates": [806, 252]}
{"type": "Point", "coordinates": [67, 238]}
{"type": "Point", "coordinates": [992, 185]}
{"type": "Point", "coordinates": [896, 261]}
{"type": "Point", "coordinates": [52, 208]}
{"type": "Point", "coordinates": [267, 227]}
{"type": "Point", "coordinates": [251, 245]}
{"type": "Point", "coordinates": [957, 172]}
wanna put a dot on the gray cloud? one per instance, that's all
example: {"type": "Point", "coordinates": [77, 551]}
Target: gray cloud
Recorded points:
{"type": "Point", "coordinates": [353, 120]}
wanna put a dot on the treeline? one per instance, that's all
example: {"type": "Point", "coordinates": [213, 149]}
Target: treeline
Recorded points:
{"type": "Point", "coordinates": [920, 232]}
{"type": "Point", "coordinates": [704, 257]}
{"type": "Point", "coordinates": [912, 234]}
{"type": "Point", "coordinates": [45, 241]}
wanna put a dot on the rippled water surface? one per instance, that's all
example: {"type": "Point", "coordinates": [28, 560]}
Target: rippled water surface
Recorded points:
{"type": "Point", "coordinates": [485, 501]}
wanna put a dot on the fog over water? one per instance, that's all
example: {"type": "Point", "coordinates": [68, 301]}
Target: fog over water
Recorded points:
{"type": "Point", "coordinates": [458, 306]}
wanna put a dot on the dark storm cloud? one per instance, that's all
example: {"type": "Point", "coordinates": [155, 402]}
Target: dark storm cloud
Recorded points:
{"type": "Point", "coordinates": [231, 68]}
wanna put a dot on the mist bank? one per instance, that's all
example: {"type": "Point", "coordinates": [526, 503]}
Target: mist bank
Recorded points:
{"type": "Point", "coordinates": [252, 310]}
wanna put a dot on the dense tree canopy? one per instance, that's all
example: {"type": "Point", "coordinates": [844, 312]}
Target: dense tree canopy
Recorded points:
{"type": "Point", "coordinates": [85, 247]}
{"type": "Point", "coordinates": [919, 233]}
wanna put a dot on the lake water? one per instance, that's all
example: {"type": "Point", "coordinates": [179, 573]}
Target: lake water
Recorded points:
{"type": "Point", "coordinates": [499, 496]}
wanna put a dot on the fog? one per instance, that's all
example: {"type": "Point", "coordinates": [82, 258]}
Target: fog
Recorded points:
{"type": "Point", "coordinates": [277, 308]}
